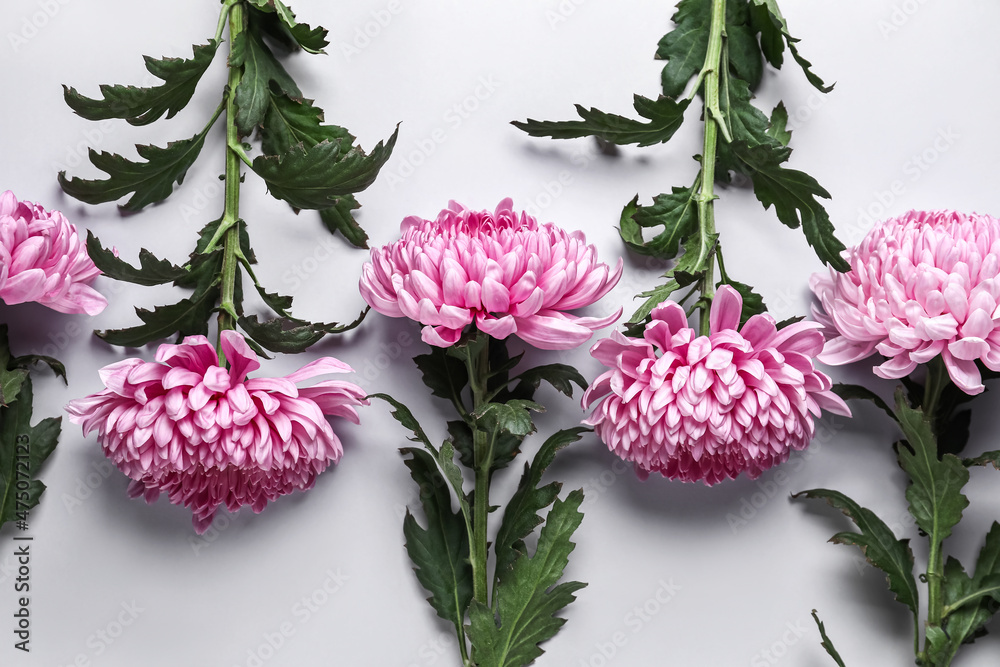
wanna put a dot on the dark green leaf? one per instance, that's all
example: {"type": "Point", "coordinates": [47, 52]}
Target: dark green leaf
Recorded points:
{"type": "Point", "coordinates": [36, 441]}
{"type": "Point", "coordinates": [28, 360]}
{"type": "Point", "coordinates": [505, 446]}
{"type": "Point", "coordinates": [260, 70]}
{"type": "Point", "coordinates": [290, 122]}
{"type": "Point", "coordinates": [521, 517]}
{"type": "Point", "coordinates": [850, 392]}
{"type": "Point", "coordinates": [512, 417]}
{"type": "Point", "coordinates": [793, 194]}
{"type": "Point", "coordinates": [288, 335]}
{"type": "Point", "coordinates": [315, 178]}
{"type": "Point", "coordinates": [753, 303]}
{"type": "Point", "coordinates": [186, 318]}
{"type": "Point", "coordinates": [529, 598]}
{"type": "Point", "coordinates": [11, 382]}
{"type": "Point", "coordinates": [777, 129]}
{"type": "Point", "coordinates": [675, 212]}
{"type": "Point", "coordinates": [151, 271]}
{"type": "Point", "coordinates": [767, 18]}
{"type": "Point", "coordinates": [964, 624]}
{"type": "Point", "coordinates": [141, 106]}
{"type": "Point", "coordinates": [149, 182]}
{"type": "Point", "coordinates": [653, 298]}
{"type": "Point", "coordinates": [663, 117]}
{"type": "Point", "coordinates": [560, 376]}
{"type": "Point", "coordinates": [935, 495]}
{"type": "Point", "coordinates": [984, 460]}
{"type": "Point", "coordinates": [745, 59]}
{"type": "Point", "coordinates": [826, 643]}
{"type": "Point", "coordinates": [440, 553]}
{"type": "Point", "coordinates": [402, 414]}
{"type": "Point", "coordinates": [877, 542]}
{"type": "Point", "coordinates": [445, 375]}
{"type": "Point", "coordinates": [685, 46]}
{"type": "Point", "coordinates": [338, 218]}
{"type": "Point", "coordinates": [311, 39]}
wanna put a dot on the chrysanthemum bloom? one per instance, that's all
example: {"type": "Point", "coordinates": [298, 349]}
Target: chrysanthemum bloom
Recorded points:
{"type": "Point", "coordinates": [920, 285]}
{"type": "Point", "coordinates": [208, 436]}
{"type": "Point", "coordinates": [710, 407]}
{"type": "Point", "coordinates": [501, 270]}
{"type": "Point", "coordinates": [43, 259]}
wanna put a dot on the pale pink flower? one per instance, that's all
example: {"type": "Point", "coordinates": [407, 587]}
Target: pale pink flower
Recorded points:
{"type": "Point", "coordinates": [710, 407]}
{"type": "Point", "coordinates": [920, 285]}
{"type": "Point", "coordinates": [206, 435]}
{"type": "Point", "coordinates": [502, 271]}
{"type": "Point", "coordinates": [43, 259]}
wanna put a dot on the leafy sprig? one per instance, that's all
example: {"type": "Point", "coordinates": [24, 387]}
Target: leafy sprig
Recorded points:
{"type": "Point", "coordinates": [304, 161]}
{"type": "Point", "coordinates": [958, 605]}
{"type": "Point", "coordinates": [504, 617]}
{"type": "Point", "coordinates": [23, 448]}
{"type": "Point", "coordinates": [722, 46]}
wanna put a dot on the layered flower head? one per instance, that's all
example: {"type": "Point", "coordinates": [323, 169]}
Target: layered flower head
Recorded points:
{"type": "Point", "coordinates": [206, 435]}
{"type": "Point", "coordinates": [920, 285]}
{"type": "Point", "coordinates": [710, 407]}
{"type": "Point", "coordinates": [503, 271]}
{"type": "Point", "coordinates": [43, 259]}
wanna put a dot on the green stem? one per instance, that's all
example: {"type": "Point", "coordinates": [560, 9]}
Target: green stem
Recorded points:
{"type": "Point", "coordinates": [937, 380]}
{"type": "Point", "coordinates": [479, 368]}
{"type": "Point", "coordinates": [231, 213]}
{"type": "Point", "coordinates": [706, 192]}
{"type": "Point", "coordinates": [226, 8]}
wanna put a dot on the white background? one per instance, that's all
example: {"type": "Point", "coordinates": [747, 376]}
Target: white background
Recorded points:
{"type": "Point", "coordinates": [913, 79]}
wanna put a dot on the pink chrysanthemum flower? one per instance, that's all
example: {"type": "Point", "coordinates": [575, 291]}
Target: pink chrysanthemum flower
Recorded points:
{"type": "Point", "coordinates": [43, 259]}
{"type": "Point", "coordinates": [920, 285]}
{"type": "Point", "coordinates": [710, 407]}
{"type": "Point", "coordinates": [208, 436]}
{"type": "Point", "coordinates": [502, 271]}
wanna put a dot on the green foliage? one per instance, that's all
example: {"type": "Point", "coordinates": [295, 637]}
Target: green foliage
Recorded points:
{"type": "Point", "coordinates": [935, 495]}
{"type": "Point", "coordinates": [142, 106]}
{"type": "Point", "coordinates": [561, 376]}
{"type": "Point", "coordinates": [527, 600]}
{"type": "Point", "coordinates": [663, 117]}
{"type": "Point", "coordinates": [148, 182]}
{"type": "Point", "coordinates": [440, 552]}
{"type": "Point", "coordinates": [280, 24]}
{"type": "Point", "coordinates": [850, 392]}
{"type": "Point", "coordinates": [23, 447]}
{"type": "Point", "coordinates": [827, 644]}
{"type": "Point", "coordinates": [316, 177]}
{"type": "Point", "coordinates": [877, 542]}
{"type": "Point", "coordinates": [750, 144]}
{"type": "Point", "coordinates": [304, 161]}
{"type": "Point", "coordinates": [521, 517]}
{"type": "Point", "coordinates": [675, 212]}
